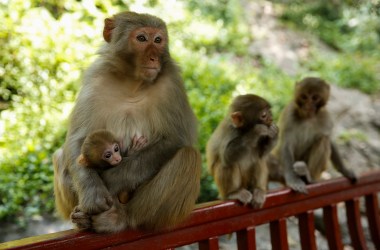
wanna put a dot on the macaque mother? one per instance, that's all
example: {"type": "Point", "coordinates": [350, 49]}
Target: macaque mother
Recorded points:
{"type": "Point", "coordinates": [133, 89]}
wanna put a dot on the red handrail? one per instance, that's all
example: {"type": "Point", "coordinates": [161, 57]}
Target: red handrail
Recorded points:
{"type": "Point", "coordinates": [210, 220]}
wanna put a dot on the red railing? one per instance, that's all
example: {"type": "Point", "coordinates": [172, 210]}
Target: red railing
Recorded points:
{"type": "Point", "coordinates": [210, 220]}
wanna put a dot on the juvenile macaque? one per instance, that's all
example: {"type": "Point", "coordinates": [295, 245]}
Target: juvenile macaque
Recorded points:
{"type": "Point", "coordinates": [238, 148]}
{"type": "Point", "coordinates": [305, 147]}
{"type": "Point", "coordinates": [135, 75]}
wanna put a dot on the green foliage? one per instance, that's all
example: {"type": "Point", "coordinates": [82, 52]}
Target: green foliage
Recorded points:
{"type": "Point", "coordinates": [342, 26]}
{"type": "Point", "coordinates": [41, 64]}
{"type": "Point", "coordinates": [352, 134]}
{"type": "Point", "coordinates": [353, 29]}
{"type": "Point", "coordinates": [216, 26]}
{"type": "Point", "coordinates": [350, 70]}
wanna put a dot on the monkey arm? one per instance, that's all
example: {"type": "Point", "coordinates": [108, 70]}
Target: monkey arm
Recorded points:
{"type": "Point", "coordinates": [291, 179]}
{"type": "Point", "coordinates": [336, 159]}
{"type": "Point", "coordinates": [267, 139]}
{"type": "Point", "coordinates": [233, 151]}
{"type": "Point", "coordinates": [92, 193]}
{"type": "Point", "coordinates": [141, 166]}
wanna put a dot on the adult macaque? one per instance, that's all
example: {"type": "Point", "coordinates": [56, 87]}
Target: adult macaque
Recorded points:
{"type": "Point", "coordinates": [134, 88]}
{"type": "Point", "coordinates": [305, 147]}
{"type": "Point", "coordinates": [238, 148]}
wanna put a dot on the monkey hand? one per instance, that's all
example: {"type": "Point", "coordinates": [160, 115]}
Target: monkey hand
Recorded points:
{"type": "Point", "coordinates": [301, 169]}
{"type": "Point", "coordinates": [98, 200]}
{"type": "Point", "coordinates": [258, 198]}
{"type": "Point", "coordinates": [273, 131]}
{"type": "Point", "coordinates": [80, 219]}
{"type": "Point", "coordinates": [138, 142]}
{"type": "Point", "coordinates": [261, 130]}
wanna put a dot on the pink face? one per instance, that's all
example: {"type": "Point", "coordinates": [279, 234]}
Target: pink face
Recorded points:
{"type": "Point", "coordinates": [150, 45]}
{"type": "Point", "coordinates": [112, 154]}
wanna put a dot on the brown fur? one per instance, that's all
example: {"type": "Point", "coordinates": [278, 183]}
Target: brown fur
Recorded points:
{"type": "Point", "coordinates": [305, 137]}
{"type": "Point", "coordinates": [121, 94]}
{"type": "Point", "coordinates": [237, 150]}
{"type": "Point", "coordinates": [93, 148]}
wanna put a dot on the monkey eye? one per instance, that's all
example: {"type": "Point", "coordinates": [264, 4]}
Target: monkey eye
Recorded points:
{"type": "Point", "coordinates": [116, 148]}
{"type": "Point", "coordinates": [157, 40]}
{"type": "Point", "coordinates": [315, 97]}
{"type": "Point", "coordinates": [141, 38]}
{"type": "Point", "coordinates": [303, 97]}
{"type": "Point", "coordinates": [107, 155]}
{"type": "Point", "coordinates": [264, 115]}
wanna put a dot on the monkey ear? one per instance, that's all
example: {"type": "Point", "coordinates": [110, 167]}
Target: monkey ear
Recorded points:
{"type": "Point", "coordinates": [237, 119]}
{"type": "Point", "coordinates": [109, 25]}
{"type": "Point", "coordinates": [82, 160]}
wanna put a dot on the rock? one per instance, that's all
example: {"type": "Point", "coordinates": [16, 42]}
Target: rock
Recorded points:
{"type": "Point", "coordinates": [356, 129]}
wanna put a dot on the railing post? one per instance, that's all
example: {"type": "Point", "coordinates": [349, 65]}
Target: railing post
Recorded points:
{"type": "Point", "coordinates": [307, 230]}
{"type": "Point", "coordinates": [333, 235]}
{"type": "Point", "coordinates": [246, 239]}
{"type": "Point", "coordinates": [354, 224]}
{"type": "Point", "coordinates": [209, 244]}
{"type": "Point", "coordinates": [278, 234]}
{"type": "Point", "coordinates": [372, 211]}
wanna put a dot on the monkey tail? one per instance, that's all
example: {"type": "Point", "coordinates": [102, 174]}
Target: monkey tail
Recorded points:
{"type": "Point", "coordinates": [170, 196]}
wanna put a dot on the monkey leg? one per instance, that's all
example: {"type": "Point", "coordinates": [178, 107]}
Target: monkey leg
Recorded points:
{"type": "Point", "coordinates": [275, 169]}
{"type": "Point", "coordinates": [259, 183]}
{"type": "Point", "coordinates": [319, 156]}
{"type": "Point", "coordinates": [162, 202]}
{"type": "Point", "coordinates": [230, 184]}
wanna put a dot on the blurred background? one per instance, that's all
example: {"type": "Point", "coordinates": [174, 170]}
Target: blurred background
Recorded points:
{"type": "Point", "coordinates": [225, 48]}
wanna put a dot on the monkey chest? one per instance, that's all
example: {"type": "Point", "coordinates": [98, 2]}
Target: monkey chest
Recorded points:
{"type": "Point", "coordinates": [247, 161]}
{"type": "Point", "coordinates": [306, 134]}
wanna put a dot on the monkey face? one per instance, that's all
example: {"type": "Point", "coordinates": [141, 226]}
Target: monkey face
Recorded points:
{"type": "Point", "coordinates": [149, 45]}
{"type": "Point", "coordinates": [249, 110]}
{"type": "Point", "coordinates": [111, 154]}
{"type": "Point", "coordinates": [311, 95]}
{"type": "Point", "coordinates": [265, 117]}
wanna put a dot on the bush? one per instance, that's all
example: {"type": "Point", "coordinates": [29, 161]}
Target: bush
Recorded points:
{"type": "Point", "coordinates": [39, 82]}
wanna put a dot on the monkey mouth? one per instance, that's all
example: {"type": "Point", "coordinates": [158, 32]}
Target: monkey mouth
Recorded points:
{"type": "Point", "coordinates": [151, 69]}
{"type": "Point", "coordinates": [150, 72]}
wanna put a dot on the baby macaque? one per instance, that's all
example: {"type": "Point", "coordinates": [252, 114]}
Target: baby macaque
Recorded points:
{"type": "Point", "coordinates": [101, 150]}
{"type": "Point", "coordinates": [238, 148]}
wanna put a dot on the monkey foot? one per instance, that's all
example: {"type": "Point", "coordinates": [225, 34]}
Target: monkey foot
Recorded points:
{"type": "Point", "coordinates": [243, 195]}
{"type": "Point", "coordinates": [80, 219]}
{"type": "Point", "coordinates": [258, 198]}
{"type": "Point", "coordinates": [298, 186]}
